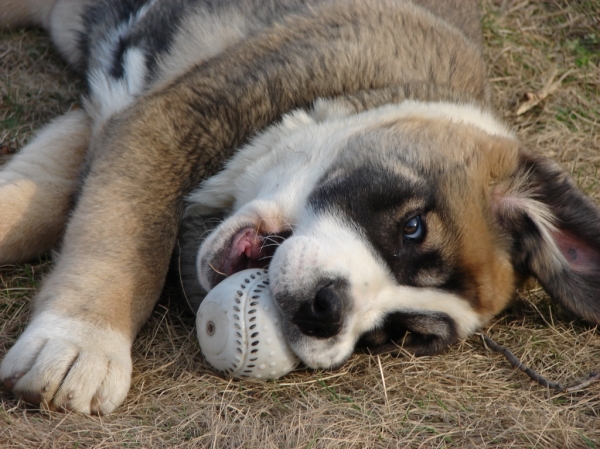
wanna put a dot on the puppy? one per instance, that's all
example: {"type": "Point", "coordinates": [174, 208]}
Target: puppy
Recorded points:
{"type": "Point", "coordinates": [365, 168]}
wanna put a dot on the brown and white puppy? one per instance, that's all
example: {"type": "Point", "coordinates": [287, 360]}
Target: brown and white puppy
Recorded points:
{"type": "Point", "coordinates": [397, 208]}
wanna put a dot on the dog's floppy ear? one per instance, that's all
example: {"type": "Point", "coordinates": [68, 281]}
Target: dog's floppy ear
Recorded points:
{"type": "Point", "coordinates": [555, 232]}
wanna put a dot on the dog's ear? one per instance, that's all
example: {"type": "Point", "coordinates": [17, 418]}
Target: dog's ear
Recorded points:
{"type": "Point", "coordinates": [555, 232]}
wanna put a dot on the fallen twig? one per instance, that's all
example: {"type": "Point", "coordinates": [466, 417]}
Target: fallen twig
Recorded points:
{"type": "Point", "coordinates": [514, 361]}
{"type": "Point", "coordinates": [593, 377]}
{"type": "Point", "coordinates": [532, 99]}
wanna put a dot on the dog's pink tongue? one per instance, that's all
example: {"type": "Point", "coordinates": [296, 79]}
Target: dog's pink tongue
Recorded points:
{"type": "Point", "coordinates": [248, 243]}
{"type": "Point", "coordinates": [244, 252]}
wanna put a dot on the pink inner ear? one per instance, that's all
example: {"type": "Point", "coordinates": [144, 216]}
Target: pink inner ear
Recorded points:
{"type": "Point", "coordinates": [579, 255]}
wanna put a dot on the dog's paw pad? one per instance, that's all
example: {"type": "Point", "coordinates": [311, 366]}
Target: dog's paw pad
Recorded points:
{"type": "Point", "coordinates": [69, 366]}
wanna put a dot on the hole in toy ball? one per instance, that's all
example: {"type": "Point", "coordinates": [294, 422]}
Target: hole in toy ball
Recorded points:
{"type": "Point", "coordinates": [210, 328]}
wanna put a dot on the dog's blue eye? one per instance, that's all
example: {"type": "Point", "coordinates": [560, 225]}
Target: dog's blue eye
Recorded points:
{"type": "Point", "coordinates": [413, 230]}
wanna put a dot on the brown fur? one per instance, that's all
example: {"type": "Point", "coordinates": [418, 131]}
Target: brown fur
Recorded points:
{"type": "Point", "coordinates": [213, 93]}
{"type": "Point", "coordinates": [466, 234]}
{"type": "Point", "coordinates": [35, 210]}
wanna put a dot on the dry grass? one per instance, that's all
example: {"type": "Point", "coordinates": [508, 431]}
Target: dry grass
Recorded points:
{"type": "Point", "coordinates": [467, 397]}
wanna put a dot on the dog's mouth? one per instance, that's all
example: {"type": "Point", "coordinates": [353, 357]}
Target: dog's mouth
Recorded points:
{"type": "Point", "coordinates": [248, 248]}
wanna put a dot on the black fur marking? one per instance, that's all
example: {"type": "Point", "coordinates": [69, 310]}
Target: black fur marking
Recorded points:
{"type": "Point", "coordinates": [378, 209]}
{"type": "Point", "coordinates": [153, 34]}
{"type": "Point", "coordinates": [183, 276]}
{"type": "Point", "coordinates": [117, 71]}
{"type": "Point", "coordinates": [418, 332]}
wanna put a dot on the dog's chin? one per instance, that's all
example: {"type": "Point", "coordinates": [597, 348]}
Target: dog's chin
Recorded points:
{"type": "Point", "coordinates": [317, 353]}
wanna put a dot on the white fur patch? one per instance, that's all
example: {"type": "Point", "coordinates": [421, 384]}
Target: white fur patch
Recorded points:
{"type": "Point", "coordinates": [519, 197]}
{"type": "Point", "coordinates": [468, 114]}
{"type": "Point", "coordinates": [109, 95]}
{"type": "Point", "coordinates": [242, 172]}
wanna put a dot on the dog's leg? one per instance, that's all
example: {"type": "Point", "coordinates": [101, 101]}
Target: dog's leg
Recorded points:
{"type": "Point", "coordinates": [76, 352]}
{"type": "Point", "coordinates": [37, 188]}
{"type": "Point", "coordinates": [61, 18]}
{"type": "Point", "coordinates": [18, 13]}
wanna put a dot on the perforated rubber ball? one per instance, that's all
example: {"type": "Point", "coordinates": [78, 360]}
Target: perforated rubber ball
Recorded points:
{"type": "Point", "coordinates": [239, 329]}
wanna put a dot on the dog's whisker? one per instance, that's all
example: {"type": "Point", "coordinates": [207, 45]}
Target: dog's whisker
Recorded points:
{"type": "Point", "coordinates": [274, 241]}
{"type": "Point", "coordinates": [214, 269]}
{"type": "Point", "coordinates": [270, 244]}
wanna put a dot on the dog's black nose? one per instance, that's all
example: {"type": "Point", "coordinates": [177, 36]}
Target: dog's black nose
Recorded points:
{"type": "Point", "coordinates": [322, 317]}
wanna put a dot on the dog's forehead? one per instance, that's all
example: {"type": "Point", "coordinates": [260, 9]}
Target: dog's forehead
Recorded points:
{"type": "Point", "coordinates": [425, 145]}
{"type": "Point", "coordinates": [405, 162]}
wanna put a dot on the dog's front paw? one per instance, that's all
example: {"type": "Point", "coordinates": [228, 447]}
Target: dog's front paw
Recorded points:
{"type": "Point", "coordinates": [67, 364]}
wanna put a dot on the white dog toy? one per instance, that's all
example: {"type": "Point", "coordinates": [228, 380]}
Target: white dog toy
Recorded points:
{"type": "Point", "coordinates": [239, 328]}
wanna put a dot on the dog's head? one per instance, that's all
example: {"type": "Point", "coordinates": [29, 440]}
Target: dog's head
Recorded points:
{"type": "Point", "coordinates": [411, 224]}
